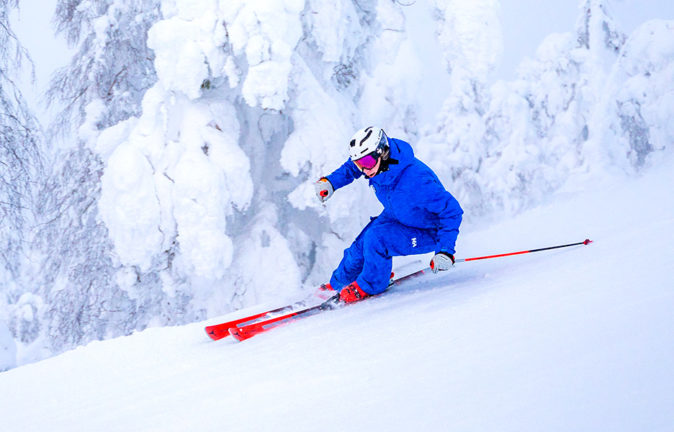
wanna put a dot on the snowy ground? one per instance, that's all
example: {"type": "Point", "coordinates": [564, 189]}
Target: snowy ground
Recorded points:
{"type": "Point", "coordinates": [578, 339]}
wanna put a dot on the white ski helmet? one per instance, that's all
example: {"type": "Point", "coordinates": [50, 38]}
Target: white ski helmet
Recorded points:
{"type": "Point", "coordinates": [367, 141]}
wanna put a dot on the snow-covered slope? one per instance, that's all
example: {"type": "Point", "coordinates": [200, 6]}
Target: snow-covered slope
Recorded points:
{"type": "Point", "coordinates": [577, 339]}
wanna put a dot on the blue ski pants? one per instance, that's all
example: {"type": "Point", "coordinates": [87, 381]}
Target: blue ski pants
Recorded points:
{"type": "Point", "coordinates": [368, 260]}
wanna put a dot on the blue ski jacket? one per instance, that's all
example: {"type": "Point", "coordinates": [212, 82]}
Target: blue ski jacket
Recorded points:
{"type": "Point", "coordinates": [411, 194]}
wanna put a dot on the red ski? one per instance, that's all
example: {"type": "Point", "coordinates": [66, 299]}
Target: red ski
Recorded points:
{"type": "Point", "coordinates": [219, 331]}
{"type": "Point", "coordinates": [222, 330]}
{"type": "Point", "coordinates": [250, 330]}
{"type": "Point", "coordinates": [244, 332]}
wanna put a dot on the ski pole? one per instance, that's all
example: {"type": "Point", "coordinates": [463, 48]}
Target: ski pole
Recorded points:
{"type": "Point", "coordinates": [584, 242]}
{"type": "Point", "coordinates": [458, 260]}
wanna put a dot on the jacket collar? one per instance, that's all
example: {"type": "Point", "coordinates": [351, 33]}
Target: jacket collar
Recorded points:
{"type": "Point", "coordinates": [401, 156]}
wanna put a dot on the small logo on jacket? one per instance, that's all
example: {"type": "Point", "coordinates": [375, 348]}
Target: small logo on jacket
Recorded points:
{"type": "Point", "coordinates": [414, 242]}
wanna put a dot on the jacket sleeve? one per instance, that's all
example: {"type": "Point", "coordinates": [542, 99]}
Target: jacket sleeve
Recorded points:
{"type": "Point", "coordinates": [344, 175]}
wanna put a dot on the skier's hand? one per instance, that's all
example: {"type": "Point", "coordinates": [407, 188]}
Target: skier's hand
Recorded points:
{"type": "Point", "coordinates": [442, 261]}
{"type": "Point", "coordinates": [324, 189]}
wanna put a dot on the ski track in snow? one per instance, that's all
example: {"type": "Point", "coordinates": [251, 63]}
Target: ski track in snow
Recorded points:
{"type": "Point", "coordinates": [577, 339]}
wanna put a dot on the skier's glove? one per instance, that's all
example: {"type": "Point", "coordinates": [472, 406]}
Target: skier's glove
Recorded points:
{"type": "Point", "coordinates": [324, 189]}
{"type": "Point", "coordinates": [442, 261]}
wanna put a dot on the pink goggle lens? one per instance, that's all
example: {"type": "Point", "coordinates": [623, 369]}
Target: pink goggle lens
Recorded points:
{"type": "Point", "coordinates": [366, 162]}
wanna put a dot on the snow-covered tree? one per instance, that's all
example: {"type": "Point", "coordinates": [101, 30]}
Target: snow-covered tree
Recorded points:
{"type": "Point", "coordinates": [19, 153]}
{"type": "Point", "coordinates": [20, 168]}
{"type": "Point", "coordinates": [186, 129]}
{"type": "Point", "coordinates": [470, 37]}
{"type": "Point", "coordinates": [258, 104]}
{"type": "Point", "coordinates": [633, 119]}
{"type": "Point", "coordinates": [508, 146]}
{"type": "Point", "coordinates": [107, 77]}
{"type": "Point", "coordinates": [77, 297]}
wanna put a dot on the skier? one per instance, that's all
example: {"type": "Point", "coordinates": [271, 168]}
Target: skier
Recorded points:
{"type": "Point", "coordinates": [419, 215]}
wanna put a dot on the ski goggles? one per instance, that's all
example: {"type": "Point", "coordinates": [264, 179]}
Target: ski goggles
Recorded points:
{"type": "Point", "coordinates": [367, 162]}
